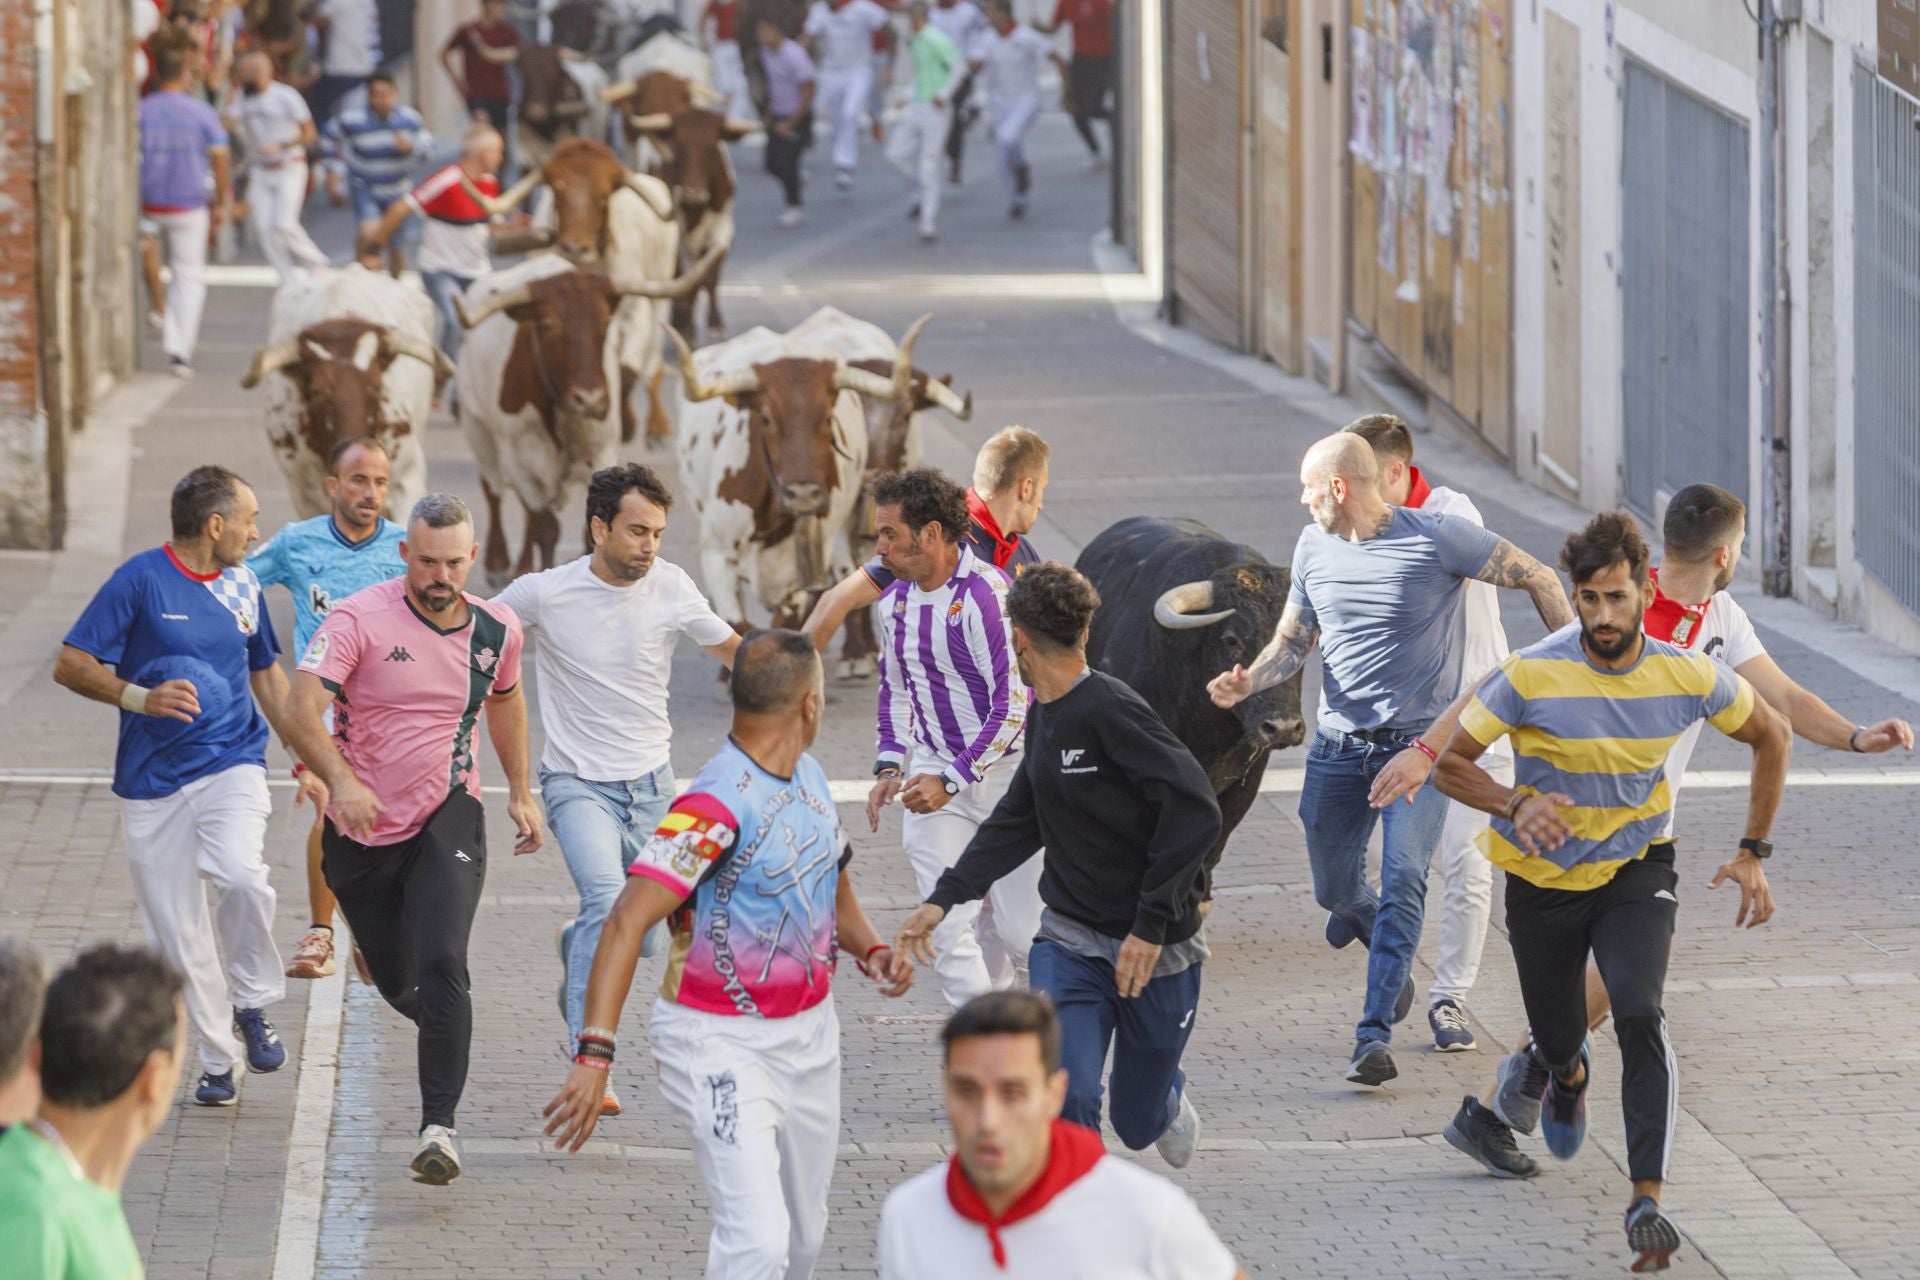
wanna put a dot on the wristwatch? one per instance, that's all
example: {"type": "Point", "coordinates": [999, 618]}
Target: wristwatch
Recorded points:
{"type": "Point", "coordinates": [1762, 849]}
{"type": "Point", "coordinates": [952, 787]}
{"type": "Point", "coordinates": [885, 766]}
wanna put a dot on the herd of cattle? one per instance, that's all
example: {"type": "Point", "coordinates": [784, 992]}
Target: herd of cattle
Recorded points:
{"type": "Point", "coordinates": [777, 434]}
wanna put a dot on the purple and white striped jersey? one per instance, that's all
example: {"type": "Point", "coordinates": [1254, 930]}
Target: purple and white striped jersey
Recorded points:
{"type": "Point", "coordinates": [948, 686]}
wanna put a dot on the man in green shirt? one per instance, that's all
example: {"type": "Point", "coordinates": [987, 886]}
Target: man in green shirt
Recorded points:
{"type": "Point", "coordinates": [111, 1038]}
{"type": "Point", "coordinates": [915, 145]}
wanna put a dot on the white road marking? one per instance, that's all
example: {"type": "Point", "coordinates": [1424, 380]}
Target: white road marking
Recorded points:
{"type": "Point", "coordinates": [303, 1190]}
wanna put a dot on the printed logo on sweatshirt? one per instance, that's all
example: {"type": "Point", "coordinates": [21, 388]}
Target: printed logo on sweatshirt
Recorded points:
{"type": "Point", "coordinates": [1070, 761]}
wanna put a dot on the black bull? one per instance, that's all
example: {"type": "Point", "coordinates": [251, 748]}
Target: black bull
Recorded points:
{"type": "Point", "coordinates": [1137, 562]}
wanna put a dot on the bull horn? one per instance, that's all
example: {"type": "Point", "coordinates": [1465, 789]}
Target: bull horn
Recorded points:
{"type": "Point", "coordinates": [705, 95]}
{"type": "Point", "coordinates": [507, 201]}
{"type": "Point", "coordinates": [270, 360]}
{"type": "Point", "coordinates": [406, 344]}
{"type": "Point", "coordinates": [615, 92]}
{"type": "Point", "coordinates": [680, 285]}
{"type": "Point", "coordinates": [947, 398]}
{"type": "Point", "coordinates": [652, 122]}
{"type": "Point", "coordinates": [1173, 610]}
{"type": "Point", "coordinates": [468, 319]}
{"type": "Point", "coordinates": [653, 191]}
{"type": "Point", "coordinates": [737, 125]}
{"type": "Point", "coordinates": [571, 110]}
{"type": "Point", "coordinates": [735, 382]}
{"type": "Point", "coordinates": [861, 382]}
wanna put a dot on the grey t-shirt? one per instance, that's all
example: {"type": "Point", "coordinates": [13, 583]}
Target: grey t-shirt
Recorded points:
{"type": "Point", "coordinates": [1391, 613]}
{"type": "Point", "coordinates": [1175, 957]}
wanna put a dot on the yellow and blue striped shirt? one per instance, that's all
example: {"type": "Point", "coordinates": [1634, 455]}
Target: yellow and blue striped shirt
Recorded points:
{"type": "Point", "coordinates": [1601, 737]}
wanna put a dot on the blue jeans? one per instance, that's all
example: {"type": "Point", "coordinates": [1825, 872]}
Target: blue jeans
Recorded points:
{"type": "Point", "coordinates": [1148, 1033]}
{"type": "Point", "coordinates": [442, 286]}
{"type": "Point", "coordinates": [1339, 822]}
{"type": "Point", "coordinates": [600, 827]}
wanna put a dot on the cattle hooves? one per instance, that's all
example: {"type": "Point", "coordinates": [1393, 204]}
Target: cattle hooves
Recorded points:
{"type": "Point", "coordinates": [497, 579]}
{"type": "Point", "coordinates": [856, 668]}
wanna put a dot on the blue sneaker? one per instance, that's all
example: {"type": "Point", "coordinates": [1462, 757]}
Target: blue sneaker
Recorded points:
{"type": "Point", "coordinates": [264, 1051]}
{"type": "Point", "coordinates": [1563, 1111]}
{"type": "Point", "coordinates": [216, 1090]}
{"type": "Point", "coordinates": [1339, 934]}
{"type": "Point", "coordinates": [563, 943]}
{"type": "Point", "coordinates": [1651, 1235]}
{"type": "Point", "coordinates": [1451, 1034]}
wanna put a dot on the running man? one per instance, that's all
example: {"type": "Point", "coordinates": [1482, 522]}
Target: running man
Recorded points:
{"type": "Point", "coordinates": [962, 22]}
{"type": "Point", "coordinates": [916, 142]}
{"type": "Point", "coordinates": [788, 72]}
{"type": "Point", "coordinates": [1704, 530]}
{"type": "Point", "coordinates": [1467, 876]}
{"type": "Point", "coordinates": [319, 561]}
{"type": "Point", "coordinates": [606, 626]}
{"type": "Point", "coordinates": [1007, 58]}
{"type": "Point", "coordinates": [1127, 817]}
{"type": "Point", "coordinates": [840, 35]}
{"type": "Point", "coordinates": [1090, 78]}
{"type": "Point", "coordinates": [407, 667]}
{"type": "Point", "coordinates": [951, 711]}
{"type": "Point", "coordinates": [185, 171]}
{"type": "Point", "coordinates": [372, 151]}
{"type": "Point", "coordinates": [719, 30]}
{"type": "Point", "coordinates": [1595, 710]}
{"type": "Point", "coordinates": [1028, 1195]}
{"type": "Point", "coordinates": [194, 676]}
{"type": "Point", "coordinates": [1377, 587]}
{"type": "Point", "coordinates": [486, 46]}
{"type": "Point", "coordinates": [1009, 490]}
{"type": "Point", "coordinates": [278, 127]}
{"type": "Point", "coordinates": [749, 867]}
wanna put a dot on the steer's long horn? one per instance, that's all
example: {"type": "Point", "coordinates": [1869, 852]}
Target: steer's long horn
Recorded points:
{"type": "Point", "coordinates": [1174, 610]}
{"type": "Point", "coordinates": [653, 191]}
{"type": "Point", "coordinates": [572, 109]}
{"type": "Point", "coordinates": [406, 344]}
{"type": "Point", "coordinates": [680, 285]}
{"type": "Point", "coordinates": [903, 358]}
{"type": "Point", "coordinates": [507, 201]}
{"type": "Point", "coordinates": [947, 398]}
{"type": "Point", "coordinates": [705, 95]}
{"type": "Point", "coordinates": [615, 92]}
{"type": "Point", "coordinates": [652, 122]}
{"type": "Point", "coordinates": [500, 302]}
{"type": "Point", "coordinates": [270, 360]}
{"type": "Point", "coordinates": [735, 382]}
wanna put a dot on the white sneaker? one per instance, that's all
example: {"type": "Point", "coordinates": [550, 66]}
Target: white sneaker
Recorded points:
{"type": "Point", "coordinates": [843, 178]}
{"type": "Point", "coordinates": [1176, 1145]}
{"type": "Point", "coordinates": [793, 216]}
{"type": "Point", "coordinates": [436, 1163]}
{"type": "Point", "coordinates": [179, 368]}
{"type": "Point", "coordinates": [157, 321]}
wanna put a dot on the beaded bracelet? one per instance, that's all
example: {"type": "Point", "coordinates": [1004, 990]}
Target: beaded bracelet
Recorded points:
{"type": "Point", "coordinates": [597, 1033]}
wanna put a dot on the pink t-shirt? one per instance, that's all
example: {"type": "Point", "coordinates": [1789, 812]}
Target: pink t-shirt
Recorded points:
{"type": "Point", "coordinates": [408, 696]}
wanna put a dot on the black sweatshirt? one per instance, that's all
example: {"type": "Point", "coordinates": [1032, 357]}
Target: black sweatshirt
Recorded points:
{"type": "Point", "coordinates": [1124, 811]}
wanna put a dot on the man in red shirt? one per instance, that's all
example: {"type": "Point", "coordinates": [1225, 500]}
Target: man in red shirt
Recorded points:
{"type": "Point", "coordinates": [486, 47]}
{"type": "Point", "coordinates": [1090, 79]}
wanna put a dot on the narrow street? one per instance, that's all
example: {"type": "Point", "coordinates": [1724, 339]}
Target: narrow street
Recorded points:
{"type": "Point", "coordinates": [1797, 1044]}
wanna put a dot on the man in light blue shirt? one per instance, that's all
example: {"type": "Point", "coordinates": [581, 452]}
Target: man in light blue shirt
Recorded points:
{"type": "Point", "coordinates": [1378, 588]}
{"type": "Point", "coordinates": [321, 562]}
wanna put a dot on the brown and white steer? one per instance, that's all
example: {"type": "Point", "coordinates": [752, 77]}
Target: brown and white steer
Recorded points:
{"type": "Point", "coordinates": [561, 96]}
{"type": "Point", "coordinates": [537, 377]}
{"type": "Point", "coordinates": [684, 145]}
{"type": "Point", "coordinates": [598, 213]}
{"type": "Point", "coordinates": [355, 357]}
{"type": "Point", "coordinates": [773, 457]}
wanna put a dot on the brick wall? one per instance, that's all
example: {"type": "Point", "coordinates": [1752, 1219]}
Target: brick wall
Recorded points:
{"type": "Point", "coordinates": [23, 474]}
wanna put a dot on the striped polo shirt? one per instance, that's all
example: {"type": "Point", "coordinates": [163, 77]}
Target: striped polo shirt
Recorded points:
{"type": "Point", "coordinates": [1601, 737]}
{"type": "Point", "coordinates": [366, 146]}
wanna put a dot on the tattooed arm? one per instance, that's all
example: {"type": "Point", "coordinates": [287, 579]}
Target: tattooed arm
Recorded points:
{"type": "Point", "coordinates": [1514, 569]}
{"type": "Point", "coordinates": [1284, 655]}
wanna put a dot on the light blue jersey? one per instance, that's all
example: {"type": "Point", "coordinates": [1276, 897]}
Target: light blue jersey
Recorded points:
{"type": "Point", "coordinates": [320, 567]}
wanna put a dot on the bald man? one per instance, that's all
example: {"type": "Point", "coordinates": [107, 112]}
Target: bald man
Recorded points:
{"type": "Point", "coordinates": [1378, 588]}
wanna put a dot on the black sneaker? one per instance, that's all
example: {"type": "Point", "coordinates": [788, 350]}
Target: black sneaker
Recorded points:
{"type": "Point", "coordinates": [1372, 1063]}
{"type": "Point", "coordinates": [1022, 179]}
{"type": "Point", "coordinates": [1651, 1235]}
{"type": "Point", "coordinates": [1479, 1133]}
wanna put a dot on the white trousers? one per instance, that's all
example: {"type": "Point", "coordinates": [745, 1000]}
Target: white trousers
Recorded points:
{"type": "Point", "coordinates": [843, 100]}
{"type": "Point", "coordinates": [1011, 120]}
{"type": "Point", "coordinates": [917, 147]}
{"type": "Point", "coordinates": [761, 1098]}
{"type": "Point", "coordinates": [730, 78]}
{"type": "Point", "coordinates": [1466, 898]}
{"type": "Point", "coordinates": [186, 237]}
{"type": "Point", "coordinates": [214, 828]}
{"type": "Point", "coordinates": [980, 945]}
{"type": "Point", "coordinates": [275, 198]}
{"type": "Point", "coordinates": [877, 90]}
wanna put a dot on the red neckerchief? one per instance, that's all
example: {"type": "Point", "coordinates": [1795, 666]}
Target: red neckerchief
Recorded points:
{"type": "Point", "coordinates": [1668, 619]}
{"type": "Point", "coordinates": [181, 565]}
{"type": "Point", "coordinates": [1075, 1149]}
{"type": "Point", "coordinates": [1417, 496]}
{"type": "Point", "coordinates": [1003, 545]}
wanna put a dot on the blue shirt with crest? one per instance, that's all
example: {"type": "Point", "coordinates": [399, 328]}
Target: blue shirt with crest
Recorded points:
{"type": "Point", "coordinates": [316, 563]}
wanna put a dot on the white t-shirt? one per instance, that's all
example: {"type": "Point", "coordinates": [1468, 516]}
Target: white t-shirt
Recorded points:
{"type": "Point", "coordinates": [962, 24]}
{"type": "Point", "coordinates": [272, 117]}
{"type": "Point", "coordinates": [353, 37]}
{"type": "Point", "coordinates": [1486, 635]}
{"type": "Point", "coordinates": [843, 37]}
{"type": "Point", "coordinates": [601, 658]}
{"type": "Point", "coordinates": [1012, 63]}
{"type": "Point", "coordinates": [1116, 1222]}
{"type": "Point", "coordinates": [1726, 635]}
